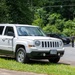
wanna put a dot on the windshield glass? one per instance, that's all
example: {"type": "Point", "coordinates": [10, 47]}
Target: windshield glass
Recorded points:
{"type": "Point", "coordinates": [62, 36]}
{"type": "Point", "coordinates": [29, 31]}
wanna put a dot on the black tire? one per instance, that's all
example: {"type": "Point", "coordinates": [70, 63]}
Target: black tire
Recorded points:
{"type": "Point", "coordinates": [54, 60]}
{"type": "Point", "coordinates": [67, 42]}
{"type": "Point", "coordinates": [21, 55]}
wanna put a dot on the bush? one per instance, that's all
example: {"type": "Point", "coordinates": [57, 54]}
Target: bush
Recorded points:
{"type": "Point", "coordinates": [51, 29]}
{"type": "Point", "coordinates": [68, 32]}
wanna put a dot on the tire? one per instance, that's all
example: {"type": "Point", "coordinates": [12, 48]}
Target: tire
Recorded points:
{"type": "Point", "coordinates": [67, 42]}
{"type": "Point", "coordinates": [54, 60]}
{"type": "Point", "coordinates": [21, 55]}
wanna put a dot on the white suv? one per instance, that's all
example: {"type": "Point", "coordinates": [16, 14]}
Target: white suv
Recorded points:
{"type": "Point", "coordinates": [25, 42]}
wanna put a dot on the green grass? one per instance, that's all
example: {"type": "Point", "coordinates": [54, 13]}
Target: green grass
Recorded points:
{"type": "Point", "coordinates": [38, 67]}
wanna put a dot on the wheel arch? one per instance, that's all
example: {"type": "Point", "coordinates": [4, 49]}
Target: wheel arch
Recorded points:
{"type": "Point", "coordinates": [18, 46]}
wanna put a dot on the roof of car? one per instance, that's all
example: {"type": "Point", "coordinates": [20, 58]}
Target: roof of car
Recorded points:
{"type": "Point", "coordinates": [17, 25]}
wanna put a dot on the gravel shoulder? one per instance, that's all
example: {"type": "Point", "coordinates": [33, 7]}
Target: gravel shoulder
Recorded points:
{"type": "Point", "coordinates": [11, 72]}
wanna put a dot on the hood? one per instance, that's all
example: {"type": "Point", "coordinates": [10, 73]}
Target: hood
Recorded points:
{"type": "Point", "coordinates": [37, 38]}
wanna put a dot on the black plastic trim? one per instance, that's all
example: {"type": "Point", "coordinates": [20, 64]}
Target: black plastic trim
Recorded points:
{"type": "Point", "coordinates": [39, 55]}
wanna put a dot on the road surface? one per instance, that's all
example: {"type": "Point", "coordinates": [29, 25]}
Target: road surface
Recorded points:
{"type": "Point", "coordinates": [69, 56]}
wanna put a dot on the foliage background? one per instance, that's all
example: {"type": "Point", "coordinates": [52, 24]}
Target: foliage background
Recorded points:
{"type": "Point", "coordinates": [51, 15]}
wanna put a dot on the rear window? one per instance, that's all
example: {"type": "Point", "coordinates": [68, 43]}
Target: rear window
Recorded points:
{"type": "Point", "coordinates": [1, 29]}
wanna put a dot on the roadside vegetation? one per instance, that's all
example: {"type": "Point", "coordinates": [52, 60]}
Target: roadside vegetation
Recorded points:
{"type": "Point", "coordinates": [37, 67]}
{"type": "Point", "coordinates": [51, 15]}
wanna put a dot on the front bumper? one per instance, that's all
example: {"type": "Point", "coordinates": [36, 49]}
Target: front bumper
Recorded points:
{"type": "Point", "coordinates": [44, 54]}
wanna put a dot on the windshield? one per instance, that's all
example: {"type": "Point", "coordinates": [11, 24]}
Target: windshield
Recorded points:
{"type": "Point", "coordinates": [29, 31]}
{"type": "Point", "coordinates": [62, 36]}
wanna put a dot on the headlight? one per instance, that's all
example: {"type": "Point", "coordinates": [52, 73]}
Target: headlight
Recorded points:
{"type": "Point", "coordinates": [37, 43]}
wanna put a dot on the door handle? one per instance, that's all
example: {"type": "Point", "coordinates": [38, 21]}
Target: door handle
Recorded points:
{"type": "Point", "coordinates": [4, 39]}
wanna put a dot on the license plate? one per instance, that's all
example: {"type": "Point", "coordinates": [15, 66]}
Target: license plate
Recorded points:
{"type": "Point", "coordinates": [53, 52]}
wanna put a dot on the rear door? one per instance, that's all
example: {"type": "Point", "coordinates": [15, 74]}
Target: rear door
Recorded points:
{"type": "Point", "coordinates": [7, 41]}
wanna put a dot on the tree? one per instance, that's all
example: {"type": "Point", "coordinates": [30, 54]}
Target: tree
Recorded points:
{"type": "Point", "coordinates": [38, 22]}
{"type": "Point", "coordinates": [68, 32]}
{"type": "Point", "coordinates": [40, 18]}
{"type": "Point", "coordinates": [4, 15]}
{"type": "Point", "coordinates": [63, 7]}
{"type": "Point", "coordinates": [69, 28]}
{"type": "Point", "coordinates": [59, 23]}
{"type": "Point", "coordinates": [53, 17]}
{"type": "Point", "coordinates": [19, 11]}
{"type": "Point", "coordinates": [50, 29]}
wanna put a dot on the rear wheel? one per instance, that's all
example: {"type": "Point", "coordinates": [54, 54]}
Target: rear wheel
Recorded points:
{"type": "Point", "coordinates": [67, 42]}
{"type": "Point", "coordinates": [54, 60]}
{"type": "Point", "coordinates": [21, 55]}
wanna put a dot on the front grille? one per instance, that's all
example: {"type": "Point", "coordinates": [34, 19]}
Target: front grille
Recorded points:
{"type": "Point", "coordinates": [50, 44]}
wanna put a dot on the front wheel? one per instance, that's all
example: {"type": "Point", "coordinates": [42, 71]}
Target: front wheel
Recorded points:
{"type": "Point", "coordinates": [54, 60]}
{"type": "Point", "coordinates": [21, 55]}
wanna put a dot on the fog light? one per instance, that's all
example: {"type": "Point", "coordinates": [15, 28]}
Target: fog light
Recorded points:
{"type": "Point", "coordinates": [44, 54]}
{"type": "Point", "coordinates": [58, 54]}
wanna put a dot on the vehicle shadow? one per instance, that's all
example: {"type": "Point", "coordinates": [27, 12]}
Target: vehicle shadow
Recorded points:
{"type": "Point", "coordinates": [7, 58]}
{"type": "Point", "coordinates": [45, 62]}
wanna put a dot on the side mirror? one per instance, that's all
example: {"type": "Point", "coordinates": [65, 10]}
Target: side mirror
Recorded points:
{"type": "Point", "coordinates": [10, 34]}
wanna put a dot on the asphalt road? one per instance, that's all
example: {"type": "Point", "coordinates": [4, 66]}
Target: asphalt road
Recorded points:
{"type": "Point", "coordinates": [69, 56]}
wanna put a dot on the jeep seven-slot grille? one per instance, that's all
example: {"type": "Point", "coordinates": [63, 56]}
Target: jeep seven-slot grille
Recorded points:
{"type": "Point", "coordinates": [50, 44]}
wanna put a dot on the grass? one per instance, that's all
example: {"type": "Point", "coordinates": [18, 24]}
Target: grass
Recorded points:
{"type": "Point", "coordinates": [37, 67]}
